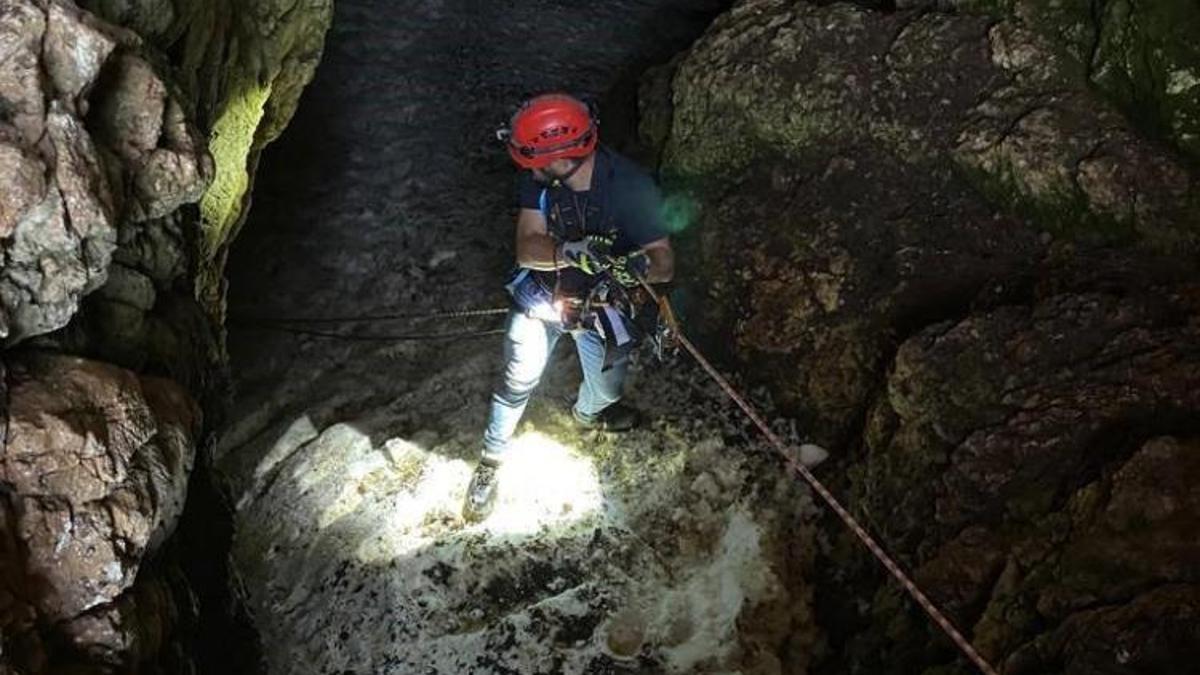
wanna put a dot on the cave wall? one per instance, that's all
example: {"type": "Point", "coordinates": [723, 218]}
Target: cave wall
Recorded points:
{"type": "Point", "coordinates": [966, 261]}
{"type": "Point", "coordinates": [242, 67]}
{"type": "Point", "coordinates": [1142, 56]}
{"type": "Point", "coordinates": [129, 135]}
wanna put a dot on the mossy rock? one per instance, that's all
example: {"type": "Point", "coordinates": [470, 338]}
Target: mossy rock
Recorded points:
{"type": "Point", "coordinates": [243, 65]}
{"type": "Point", "coordinates": [1142, 55]}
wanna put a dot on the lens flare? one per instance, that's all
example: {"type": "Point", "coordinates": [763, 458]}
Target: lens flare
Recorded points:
{"type": "Point", "coordinates": [679, 212]}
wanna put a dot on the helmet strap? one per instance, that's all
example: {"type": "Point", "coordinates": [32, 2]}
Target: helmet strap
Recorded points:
{"type": "Point", "coordinates": [576, 166]}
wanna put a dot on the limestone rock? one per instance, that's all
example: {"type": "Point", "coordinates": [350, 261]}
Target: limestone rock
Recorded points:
{"type": "Point", "coordinates": [22, 27]}
{"type": "Point", "coordinates": [97, 462]}
{"type": "Point", "coordinates": [104, 136]}
{"type": "Point", "coordinates": [155, 248]}
{"type": "Point", "coordinates": [1075, 592]}
{"type": "Point", "coordinates": [109, 122]}
{"type": "Point", "coordinates": [343, 538]}
{"type": "Point", "coordinates": [155, 20]}
{"type": "Point", "coordinates": [130, 110]}
{"type": "Point", "coordinates": [243, 67]}
{"type": "Point", "coordinates": [134, 629]}
{"type": "Point", "coordinates": [87, 197]}
{"type": "Point", "coordinates": [130, 287]}
{"type": "Point", "coordinates": [1079, 166]}
{"type": "Point", "coordinates": [873, 171]}
{"type": "Point", "coordinates": [1005, 408]}
{"type": "Point", "coordinates": [75, 49]}
{"type": "Point", "coordinates": [25, 186]}
{"type": "Point", "coordinates": [795, 79]}
{"type": "Point", "coordinates": [146, 128]}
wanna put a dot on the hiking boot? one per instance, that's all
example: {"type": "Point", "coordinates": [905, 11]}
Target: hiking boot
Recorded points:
{"type": "Point", "coordinates": [616, 418]}
{"type": "Point", "coordinates": [481, 493]}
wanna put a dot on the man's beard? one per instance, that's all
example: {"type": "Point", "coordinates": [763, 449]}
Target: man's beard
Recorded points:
{"type": "Point", "coordinates": [545, 175]}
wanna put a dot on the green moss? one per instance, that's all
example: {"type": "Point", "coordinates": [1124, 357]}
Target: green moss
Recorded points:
{"type": "Point", "coordinates": [231, 142]}
{"type": "Point", "coordinates": [1142, 54]}
{"type": "Point", "coordinates": [1061, 210]}
{"type": "Point", "coordinates": [720, 154]}
{"type": "Point", "coordinates": [737, 132]}
{"type": "Point", "coordinates": [1148, 59]}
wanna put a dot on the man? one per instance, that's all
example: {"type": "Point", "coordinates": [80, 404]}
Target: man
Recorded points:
{"type": "Point", "coordinates": [589, 223]}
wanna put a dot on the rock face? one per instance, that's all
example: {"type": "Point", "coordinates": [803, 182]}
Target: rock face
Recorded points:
{"type": "Point", "coordinates": [82, 162]}
{"type": "Point", "coordinates": [96, 463]}
{"type": "Point", "coordinates": [109, 126]}
{"type": "Point", "coordinates": [243, 65]}
{"type": "Point", "coordinates": [954, 261]}
{"type": "Point", "coordinates": [1143, 56]}
{"type": "Point", "coordinates": [1053, 496]}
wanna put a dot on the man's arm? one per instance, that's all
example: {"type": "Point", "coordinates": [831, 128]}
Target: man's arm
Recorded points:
{"type": "Point", "coordinates": [535, 247]}
{"type": "Point", "coordinates": [662, 261]}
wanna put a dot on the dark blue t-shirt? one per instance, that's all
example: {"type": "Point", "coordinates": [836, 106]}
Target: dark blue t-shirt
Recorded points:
{"type": "Point", "coordinates": [622, 201]}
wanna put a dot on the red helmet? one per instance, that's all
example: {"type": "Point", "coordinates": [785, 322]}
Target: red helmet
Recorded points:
{"type": "Point", "coordinates": [550, 127]}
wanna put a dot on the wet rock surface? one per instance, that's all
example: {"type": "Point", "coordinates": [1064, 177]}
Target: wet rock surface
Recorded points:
{"type": "Point", "coordinates": [241, 65]}
{"type": "Point", "coordinates": [1037, 411]}
{"type": "Point", "coordinates": [107, 123]}
{"type": "Point", "coordinates": [955, 263]}
{"type": "Point", "coordinates": [96, 464]}
{"type": "Point", "coordinates": [972, 276]}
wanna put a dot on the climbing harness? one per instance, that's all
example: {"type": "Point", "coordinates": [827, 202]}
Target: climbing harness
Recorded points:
{"type": "Point", "coordinates": [614, 312]}
{"type": "Point", "coordinates": [797, 468]}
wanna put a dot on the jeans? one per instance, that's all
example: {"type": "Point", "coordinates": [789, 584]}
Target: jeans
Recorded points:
{"type": "Point", "coordinates": [528, 344]}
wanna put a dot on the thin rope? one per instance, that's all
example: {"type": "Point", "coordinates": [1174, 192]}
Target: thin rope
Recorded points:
{"type": "Point", "coordinates": [351, 337]}
{"type": "Point", "coordinates": [366, 318]}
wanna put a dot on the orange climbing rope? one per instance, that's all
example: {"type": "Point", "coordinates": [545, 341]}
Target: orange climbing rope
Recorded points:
{"type": "Point", "coordinates": [796, 467]}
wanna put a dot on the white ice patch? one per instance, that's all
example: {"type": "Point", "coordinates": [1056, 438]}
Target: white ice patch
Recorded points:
{"type": "Point", "coordinates": [667, 563]}
{"type": "Point", "coordinates": [812, 455]}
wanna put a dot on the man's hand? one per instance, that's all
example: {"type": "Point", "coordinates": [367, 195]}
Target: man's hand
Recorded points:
{"type": "Point", "coordinates": [588, 254]}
